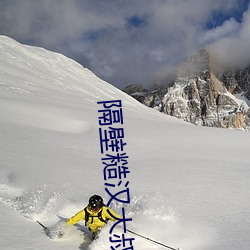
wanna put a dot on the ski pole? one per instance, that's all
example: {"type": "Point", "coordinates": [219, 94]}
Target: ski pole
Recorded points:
{"type": "Point", "coordinates": [45, 228]}
{"type": "Point", "coordinates": [159, 243]}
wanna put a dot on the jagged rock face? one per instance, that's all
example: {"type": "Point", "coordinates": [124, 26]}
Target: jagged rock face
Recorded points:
{"type": "Point", "coordinates": [237, 81]}
{"type": "Point", "coordinates": [137, 91]}
{"type": "Point", "coordinates": [199, 97]}
{"type": "Point", "coordinates": [205, 102]}
{"type": "Point", "coordinates": [134, 88]}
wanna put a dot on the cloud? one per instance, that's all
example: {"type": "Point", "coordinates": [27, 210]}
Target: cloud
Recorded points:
{"type": "Point", "coordinates": [124, 42]}
{"type": "Point", "coordinates": [233, 49]}
{"type": "Point", "coordinates": [228, 28]}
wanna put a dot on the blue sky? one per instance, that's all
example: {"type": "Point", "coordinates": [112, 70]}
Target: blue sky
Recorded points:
{"type": "Point", "coordinates": [218, 17]}
{"type": "Point", "coordinates": [131, 41]}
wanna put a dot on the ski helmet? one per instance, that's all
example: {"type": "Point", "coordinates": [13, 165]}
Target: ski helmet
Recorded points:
{"type": "Point", "coordinates": [95, 202]}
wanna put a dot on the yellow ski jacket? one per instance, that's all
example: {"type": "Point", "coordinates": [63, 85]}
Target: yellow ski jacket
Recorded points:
{"type": "Point", "coordinates": [94, 223]}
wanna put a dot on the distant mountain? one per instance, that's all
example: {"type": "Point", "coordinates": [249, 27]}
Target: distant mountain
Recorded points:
{"type": "Point", "coordinates": [237, 81]}
{"type": "Point", "coordinates": [201, 95]}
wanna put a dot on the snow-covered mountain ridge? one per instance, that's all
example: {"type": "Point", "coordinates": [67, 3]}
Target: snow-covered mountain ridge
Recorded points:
{"type": "Point", "coordinates": [49, 145]}
{"type": "Point", "coordinates": [30, 63]}
{"type": "Point", "coordinates": [189, 185]}
{"type": "Point", "coordinates": [202, 96]}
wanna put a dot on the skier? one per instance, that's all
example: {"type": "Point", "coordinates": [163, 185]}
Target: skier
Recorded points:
{"type": "Point", "coordinates": [95, 215]}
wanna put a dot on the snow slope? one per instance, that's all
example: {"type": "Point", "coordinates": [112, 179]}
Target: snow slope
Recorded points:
{"type": "Point", "coordinates": [189, 185]}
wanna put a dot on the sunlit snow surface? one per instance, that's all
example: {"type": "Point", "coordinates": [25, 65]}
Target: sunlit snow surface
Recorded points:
{"type": "Point", "coordinates": [189, 186]}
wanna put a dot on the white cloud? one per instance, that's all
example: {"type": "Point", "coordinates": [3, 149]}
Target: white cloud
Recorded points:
{"type": "Point", "coordinates": [228, 28]}
{"type": "Point", "coordinates": [233, 50]}
{"type": "Point", "coordinates": [97, 32]}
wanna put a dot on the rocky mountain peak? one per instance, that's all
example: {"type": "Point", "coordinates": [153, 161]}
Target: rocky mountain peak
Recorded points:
{"type": "Point", "coordinates": [200, 96]}
{"type": "Point", "coordinates": [196, 64]}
